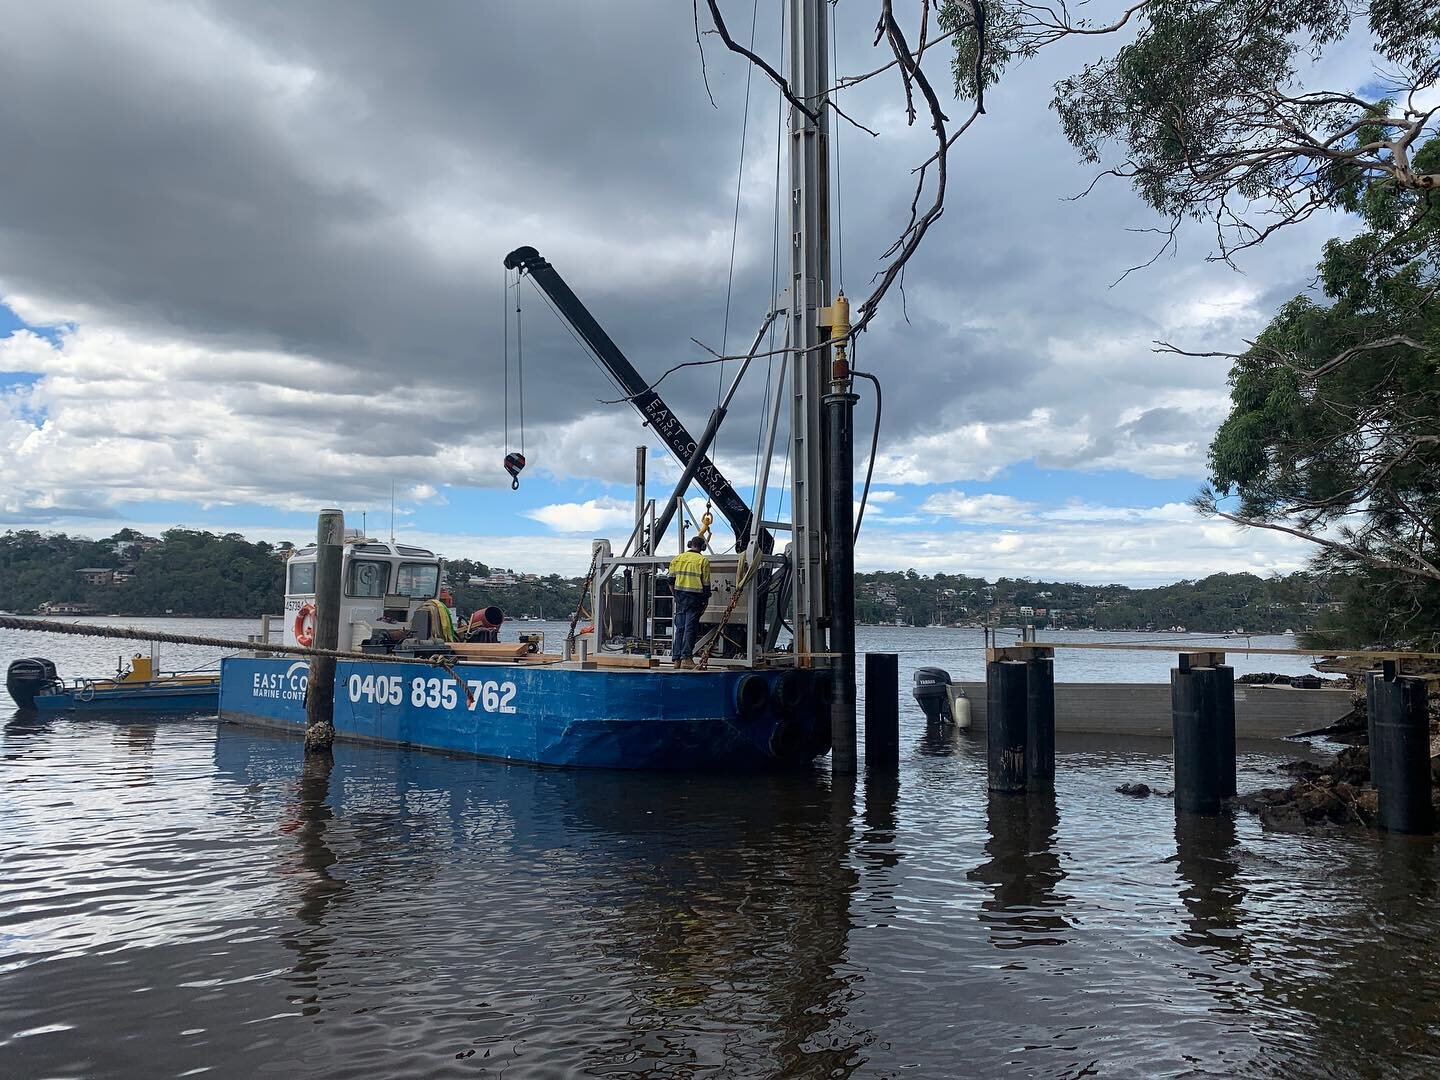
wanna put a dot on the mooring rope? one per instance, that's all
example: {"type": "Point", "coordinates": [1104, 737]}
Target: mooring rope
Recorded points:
{"type": "Point", "coordinates": [130, 633]}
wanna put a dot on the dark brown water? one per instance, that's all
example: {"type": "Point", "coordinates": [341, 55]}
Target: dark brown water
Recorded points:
{"type": "Point", "coordinates": [183, 898]}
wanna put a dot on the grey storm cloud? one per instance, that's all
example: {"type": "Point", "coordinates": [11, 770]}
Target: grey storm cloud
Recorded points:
{"type": "Point", "coordinates": [341, 181]}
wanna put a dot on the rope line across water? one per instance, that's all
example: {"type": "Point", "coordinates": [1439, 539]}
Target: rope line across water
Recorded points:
{"type": "Point", "coordinates": [130, 633]}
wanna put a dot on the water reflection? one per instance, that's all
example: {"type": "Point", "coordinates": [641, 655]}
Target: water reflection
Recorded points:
{"type": "Point", "coordinates": [307, 866]}
{"type": "Point", "coordinates": [1366, 991]}
{"type": "Point", "coordinates": [1206, 859]}
{"type": "Point", "coordinates": [138, 743]}
{"type": "Point", "coordinates": [20, 734]}
{"type": "Point", "coordinates": [945, 740]}
{"type": "Point", "coordinates": [252, 914]}
{"type": "Point", "coordinates": [877, 841]}
{"type": "Point", "coordinates": [1025, 908]}
{"type": "Point", "coordinates": [696, 906]}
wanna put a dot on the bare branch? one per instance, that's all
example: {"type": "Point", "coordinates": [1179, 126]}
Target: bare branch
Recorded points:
{"type": "Point", "coordinates": [704, 74]}
{"type": "Point", "coordinates": [775, 77]}
{"type": "Point", "coordinates": [1356, 350]}
{"type": "Point", "coordinates": [1421, 567]}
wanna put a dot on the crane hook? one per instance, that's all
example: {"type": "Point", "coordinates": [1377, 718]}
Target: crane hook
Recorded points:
{"type": "Point", "coordinates": [513, 464]}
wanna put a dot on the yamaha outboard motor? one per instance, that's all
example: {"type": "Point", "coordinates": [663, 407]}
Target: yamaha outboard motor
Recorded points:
{"type": "Point", "coordinates": [25, 679]}
{"type": "Point", "coordinates": [932, 692]}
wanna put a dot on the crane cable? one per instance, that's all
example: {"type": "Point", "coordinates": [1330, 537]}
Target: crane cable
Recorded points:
{"type": "Point", "coordinates": [840, 267]}
{"type": "Point", "coordinates": [514, 462]}
{"type": "Point", "coordinates": [708, 518]}
{"type": "Point", "coordinates": [761, 450]}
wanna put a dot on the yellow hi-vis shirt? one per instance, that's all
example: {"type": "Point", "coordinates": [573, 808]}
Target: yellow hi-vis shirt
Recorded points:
{"type": "Point", "coordinates": [690, 571]}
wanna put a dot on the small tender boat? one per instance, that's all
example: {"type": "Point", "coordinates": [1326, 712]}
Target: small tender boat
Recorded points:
{"type": "Point", "coordinates": [35, 685]}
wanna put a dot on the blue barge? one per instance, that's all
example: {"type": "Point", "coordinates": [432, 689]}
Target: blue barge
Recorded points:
{"type": "Point", "coordinates": [552, 713]}
{"type": "Point", "coordinates": [767, 671]}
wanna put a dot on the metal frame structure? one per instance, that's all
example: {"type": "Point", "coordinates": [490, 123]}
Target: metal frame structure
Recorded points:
{"type": "Point", "coordinates": [809, 75]}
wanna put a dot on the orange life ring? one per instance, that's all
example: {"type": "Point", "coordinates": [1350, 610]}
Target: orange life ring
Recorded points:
{"type": "Point", "coordinates": [305, 636]}
{"type": "Point", "coordinates": [587, 629]}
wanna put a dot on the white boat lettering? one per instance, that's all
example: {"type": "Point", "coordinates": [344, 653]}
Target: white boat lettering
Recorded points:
{"type": "Point", "coordinates": [491, 696]}
{"type": "Point", "coordinates": [431, 693]}
{"type": "Point", "coordinates": [377, 689]}
{"type": "Point", "coordinates": [282, 686]}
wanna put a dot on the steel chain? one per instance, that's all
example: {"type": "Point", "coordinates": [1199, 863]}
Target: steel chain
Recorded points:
{"type": "Point", "coordinates": [584, 592]}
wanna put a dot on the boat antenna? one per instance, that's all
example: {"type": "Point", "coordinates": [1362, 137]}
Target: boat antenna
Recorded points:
{"type": "Point", "coordinates": [392, 510]}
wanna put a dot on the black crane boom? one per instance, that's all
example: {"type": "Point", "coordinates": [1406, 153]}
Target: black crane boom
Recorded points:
{"type": "Point", "coordinates": [649, 403]}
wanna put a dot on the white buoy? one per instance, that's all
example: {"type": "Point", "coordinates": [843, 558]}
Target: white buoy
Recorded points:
{"type": "Point", "coordinates": [959, 707]}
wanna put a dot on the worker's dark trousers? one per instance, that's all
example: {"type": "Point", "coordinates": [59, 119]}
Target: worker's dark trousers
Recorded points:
{"type": "Point", "coordinates": [688, 607]}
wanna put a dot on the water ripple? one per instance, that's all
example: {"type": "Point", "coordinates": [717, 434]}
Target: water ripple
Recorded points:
{"type": "Point", "coordinates": [181, 898]}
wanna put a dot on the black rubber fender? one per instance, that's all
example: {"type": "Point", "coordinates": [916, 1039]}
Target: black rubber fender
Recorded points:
{"type": "Point", "coordinates": [751, 693]}
{"type": "Point", "coordinates": [787, 741]}
{"type": "Point", "coordinates": [818, 739]}
{"type": "Point", "coordinates": [824, 689]}
{"type": "Point", "coordinates": [791, 690]}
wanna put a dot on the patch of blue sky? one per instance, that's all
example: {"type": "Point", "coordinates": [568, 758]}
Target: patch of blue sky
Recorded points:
{"type": "Point", "coordinates": [485, 511]}
{"type": "Point", "coordinates": [17, 380]}
{"type": "Point", "coordinates": [1027, 482]}
{"type": "Point", "coordinates": [161, 514]}
{"type": "Point", "coordinates": [499, 511]}
{"type": "Point", "coordinates": [10, 322]}
{"type": "Point", "coordinates": [1109, 487]}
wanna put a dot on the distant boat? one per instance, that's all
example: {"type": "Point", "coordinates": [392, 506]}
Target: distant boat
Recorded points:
{"type": "Point", "coordinates": [34, 684]}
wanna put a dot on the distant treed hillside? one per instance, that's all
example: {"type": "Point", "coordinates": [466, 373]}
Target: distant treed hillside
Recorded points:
{"type": "Point", "coordinates": [184, 572]}
{"type": "Point", "coordinates": [190, 572]}
{"type": "Point", "coordinates": [550, 597]}
{"type": "Point", "coordinates": [1221, 602]}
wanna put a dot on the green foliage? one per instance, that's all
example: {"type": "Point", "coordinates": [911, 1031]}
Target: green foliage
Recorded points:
{"type": "Point", "coordinates": [1202, 104]}
{"type": "Point", "coordinates": [1182, 88]}
{"type": "Point", "coordinates": [1216, 604]}
{"type": "Point", "coordinates": [186, 572]}
{"type": "Point", "coordinates": [1334, 426]}
{"type": "Point", "coordinates": [974, 68]}
{"type": "Point", "coordinates": [190, 572]}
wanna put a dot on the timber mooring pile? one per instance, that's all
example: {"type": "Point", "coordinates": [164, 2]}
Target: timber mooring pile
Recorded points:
{"type": "Point", "coordinates": [1340, 792]}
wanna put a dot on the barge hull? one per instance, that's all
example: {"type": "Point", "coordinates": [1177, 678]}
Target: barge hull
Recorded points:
{"type": "Point", "coordinates": [159, 699]}
{"type": "Point", "coordinates": [544, 715]}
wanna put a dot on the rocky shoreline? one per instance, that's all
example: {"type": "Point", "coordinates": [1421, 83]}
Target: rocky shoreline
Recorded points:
{"type": "Point", "coordinates": [1338, 792]}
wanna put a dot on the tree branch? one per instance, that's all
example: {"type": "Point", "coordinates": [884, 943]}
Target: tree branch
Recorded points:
{"type": "Point", "coordinates": [775, 77]}
{"type": "Point", "coordinates": [1421, 568]}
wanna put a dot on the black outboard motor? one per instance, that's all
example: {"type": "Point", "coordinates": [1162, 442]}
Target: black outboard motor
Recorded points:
{"type": "Point", "coordinates": [25, 679]}
{"type": "Point", "coordinates": [932, 692]}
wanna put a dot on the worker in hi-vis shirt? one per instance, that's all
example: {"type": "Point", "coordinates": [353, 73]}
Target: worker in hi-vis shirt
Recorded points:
{"type": "Point", "coordinates": [690, 583]}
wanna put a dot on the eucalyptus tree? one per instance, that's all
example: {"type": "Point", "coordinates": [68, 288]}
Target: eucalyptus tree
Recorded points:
{"type": "Point", "coordinates": [1213, 110]}
{"type": "Point", "coordinates": [1241, 114]}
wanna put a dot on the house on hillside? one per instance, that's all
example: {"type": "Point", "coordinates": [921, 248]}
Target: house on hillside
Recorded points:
{"type": "Point", "coordinates": [97, 575]}
{"type": "Point", "coordinates": [65, 607]}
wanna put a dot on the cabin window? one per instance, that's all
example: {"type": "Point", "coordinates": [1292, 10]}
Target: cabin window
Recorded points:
{"type": "Point", "coordinates": [302, 578]}
{"type": "Point", "coordinates": [367, 578]}
{"type": "Point", "coordinates": [418, 580]}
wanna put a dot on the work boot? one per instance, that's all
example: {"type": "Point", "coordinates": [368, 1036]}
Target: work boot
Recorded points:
{"type": "Point", "coordinates": [685, 663]}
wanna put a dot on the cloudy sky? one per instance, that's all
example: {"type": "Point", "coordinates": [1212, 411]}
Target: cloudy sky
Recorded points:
{"type": "Point", "coordinates": [250, 265]}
